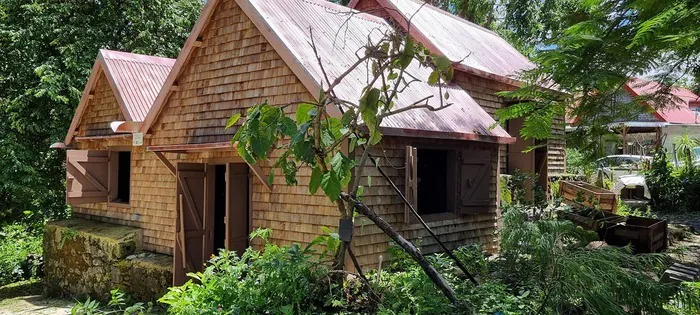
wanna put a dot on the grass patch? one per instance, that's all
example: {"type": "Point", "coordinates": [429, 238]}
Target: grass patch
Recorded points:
{"type": "Point", "coordinates": [22, 288]}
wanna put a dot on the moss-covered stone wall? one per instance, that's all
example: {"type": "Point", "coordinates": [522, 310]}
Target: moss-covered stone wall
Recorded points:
{"type": "Point", "coordinates": [87, 258]}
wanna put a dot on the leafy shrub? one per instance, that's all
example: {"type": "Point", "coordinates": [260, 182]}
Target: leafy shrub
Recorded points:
{"type": "Point", "coordinates": [551, 259]}
{"type": "Point", "coordinates": [277, 280]}
{"type": "Point", "coordinates": [579, 163]}
{"type": "Point", "coordinates": [687, 300]}
{"type": "Point", "coordinates": [20, 254]}
{"type": "Point", "coordinates": [120, 303]}
{"type": "Point", "coordinates": [673, 189]}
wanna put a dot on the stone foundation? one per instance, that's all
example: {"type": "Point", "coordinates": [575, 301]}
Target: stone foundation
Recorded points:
{"type": "Point", "coordinates": [87, 258]}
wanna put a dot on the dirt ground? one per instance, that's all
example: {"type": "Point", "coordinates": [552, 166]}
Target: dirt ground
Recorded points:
{"type": "Point", "coordinates": [687, 250]}
{"type": "Point", "coordinates": [25, 298]}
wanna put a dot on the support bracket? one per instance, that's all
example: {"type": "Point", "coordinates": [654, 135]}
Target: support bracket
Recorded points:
{"type": "Point", "coordinates": [166, 162]}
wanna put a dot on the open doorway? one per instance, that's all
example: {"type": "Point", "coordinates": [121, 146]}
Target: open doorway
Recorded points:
{"type": "Point", "coordinates": [228, 207]}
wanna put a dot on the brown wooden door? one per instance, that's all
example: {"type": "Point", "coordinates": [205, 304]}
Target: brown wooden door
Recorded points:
{"type": "Point", "coordinates": [475, 182]}
{"type": "Point", "coordinates": [237, 207]}
{"type": "Point", "coordinates": [87, 176]}
{"type": "Point", "coordinates": [191, 239]}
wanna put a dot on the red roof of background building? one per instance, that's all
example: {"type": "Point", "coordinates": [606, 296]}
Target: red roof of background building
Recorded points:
{"type": "Point", "coordinates": [678, 111]}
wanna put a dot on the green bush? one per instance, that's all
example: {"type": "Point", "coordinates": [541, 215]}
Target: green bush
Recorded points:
{"type": "Point", "coordinates": [20, 254]}
{"type": "Point", "coordinates": [578, 163]}
{"type": "Point", "coordinates": [544, 267]}
{"type": "Point", "coordinates": [673, 189]}
{"type": "Point", "coordinates": [276, 280]}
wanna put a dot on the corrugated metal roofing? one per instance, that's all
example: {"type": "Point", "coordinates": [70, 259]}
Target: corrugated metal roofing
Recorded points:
{"type": "Point", "coordinates": [137, 78]}
{"type": "Point", "coordinates": [473, 46]}
{"type": "Point", "coordinates": [338, 36]}
{"type": "Point", "coordinates": [678, 111]}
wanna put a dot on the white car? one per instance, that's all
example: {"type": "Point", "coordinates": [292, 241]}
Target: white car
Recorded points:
{"type": "Point", "coordinates": [614, 166]}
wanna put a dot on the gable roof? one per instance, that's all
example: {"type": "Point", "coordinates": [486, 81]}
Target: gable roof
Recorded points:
{"type": "Point", "coordinates": [678, 111]}
{"type": "Point", "coordinates": [476, 49]}
{"type": "Point", "coordinates": [285, 24]}
{"type": "Point", "coordinates": [134, 79]}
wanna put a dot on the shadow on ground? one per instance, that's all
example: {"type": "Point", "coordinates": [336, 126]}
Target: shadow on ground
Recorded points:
{"type": "Point", "coordinates": [25, 298]}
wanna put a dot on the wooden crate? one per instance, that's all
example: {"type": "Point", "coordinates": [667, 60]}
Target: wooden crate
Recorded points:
{"type": "Point", "coordinates": [599, 224]}
{"type": "Point", "coordinates": [644, 234]}
{"type": "Point", "coordinates": [575, 192]}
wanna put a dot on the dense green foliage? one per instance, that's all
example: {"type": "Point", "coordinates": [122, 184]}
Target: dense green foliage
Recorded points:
{"type": "Point", "coordinates": [578, 163]}
{"type": "Point", "coordinates": [673, 188]}
{"type": "Point", "coordinates": [597, 48]}
{"type": "Point", "coordinates": [47, 49]}
{"type": "Point", "coordinates": [119, 303]}
{"type": "Point", "coordinates": [20, 254]}
{"type": "Point", "coordinates": [545, 266]}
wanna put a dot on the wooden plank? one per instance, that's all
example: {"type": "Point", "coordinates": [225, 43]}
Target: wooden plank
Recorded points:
{"type": "Point", "coordinates": [166, 162]}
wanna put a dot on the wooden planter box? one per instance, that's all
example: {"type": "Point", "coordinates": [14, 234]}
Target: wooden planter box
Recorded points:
{"type": "Point", "coordinates": [599, 224]}
{"type": "Point", "coordinates": [588, 195]}
{"type": "Point", "coordinates": [646, 235]}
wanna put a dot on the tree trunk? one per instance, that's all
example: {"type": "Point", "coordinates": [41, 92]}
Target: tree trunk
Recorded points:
{"type": "Point", "coordinates": [432, 273]}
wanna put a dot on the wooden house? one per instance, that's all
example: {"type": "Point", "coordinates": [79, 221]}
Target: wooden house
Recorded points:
{"type": "Point", "coordinates": [655, 125]}
{"type": "Point", "coordinates": [174, 174]}
{"type": "Point", "coordinates": [486, 64]}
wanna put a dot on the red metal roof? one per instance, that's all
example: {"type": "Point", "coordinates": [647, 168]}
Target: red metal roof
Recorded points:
{"type": "Point", "coordinates": [678, 111]}
{"type": "Point", "coordinates": [137, 79]}
{"type": "Point", "coordinates": [477, 49]}
{"type": "Point", "coordinates": [338, 36]}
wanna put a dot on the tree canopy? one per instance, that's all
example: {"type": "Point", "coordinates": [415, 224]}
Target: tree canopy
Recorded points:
{"type": "Point", "coordinates": [597, 48]}
{"type": "Point", "coordinates": [47, 49]}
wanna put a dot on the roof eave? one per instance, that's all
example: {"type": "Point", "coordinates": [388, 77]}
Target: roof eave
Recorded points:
{"type": "Point", "coordinates": [416, 133]}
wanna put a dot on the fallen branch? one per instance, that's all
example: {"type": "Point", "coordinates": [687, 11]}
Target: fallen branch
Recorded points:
{"type": "Point", "coordinates": [429, 270]}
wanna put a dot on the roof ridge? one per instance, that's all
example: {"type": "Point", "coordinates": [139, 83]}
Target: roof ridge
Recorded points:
{"type": "Point", "coordinates": [353, 13]}
{"type": "Point", "coordinates": [140, 62]}
{"type": "Point", "coordinates": [124, 55]}
{"type": "Point", "coordinates": [441, 11]}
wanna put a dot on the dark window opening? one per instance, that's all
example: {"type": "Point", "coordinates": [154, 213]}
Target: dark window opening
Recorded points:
{"type": "Point", "coordinates": [123, 177]}
{"type": "Point", "coordinates": [219, 208]}
{"type": "Point", "coordinates": [434, 190]}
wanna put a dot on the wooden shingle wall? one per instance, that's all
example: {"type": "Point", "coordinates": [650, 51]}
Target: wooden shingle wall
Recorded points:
{"type": "Point", "coordinates": [149, 208]}
{"type": "Point", "coordinates": [100, 111]}
{"type": "Point", "coordinates": [483, 91]}
{"type": "Point", "coordinates": [370, 242]}
{"type": "Point", "coordinates": [235, 68]}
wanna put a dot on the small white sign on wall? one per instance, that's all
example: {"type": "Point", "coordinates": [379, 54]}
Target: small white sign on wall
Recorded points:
{"type": "Point", "coordinates": [137, 139]}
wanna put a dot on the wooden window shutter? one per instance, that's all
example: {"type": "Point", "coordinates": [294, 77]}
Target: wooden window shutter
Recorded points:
{"type": "Point", "coordinates": [191, 247]}
{"type": "Point", "coordinates": [475, 182]}
{"type": "Point", "coordinates": [87, 177]}
{"type": "Point", "coordinates": [411, 183]}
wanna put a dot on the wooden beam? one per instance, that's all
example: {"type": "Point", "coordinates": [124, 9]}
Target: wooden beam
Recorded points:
{"type": "Point", "coordinates": [107, 137]}
{"type": "Point", "coordinates": [261, 176]}
{"type": "Point", "coordinates": [184, 148]}
{"type": "Point", "coordinates": [166, 162]}
{"type": "Point", "coordinates": [624, 139]}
